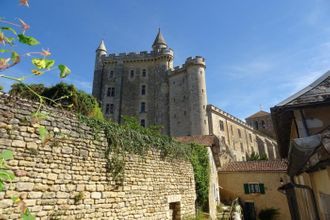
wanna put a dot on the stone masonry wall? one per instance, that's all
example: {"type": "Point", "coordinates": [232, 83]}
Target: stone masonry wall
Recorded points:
{"type": "Point", "coordinates": [71, 163]}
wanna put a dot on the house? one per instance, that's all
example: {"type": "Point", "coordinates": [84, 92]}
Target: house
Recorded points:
{"type": "Point", "coordinates": [255, 183]}
{"type": "Point", "coordinates": [302, 126]}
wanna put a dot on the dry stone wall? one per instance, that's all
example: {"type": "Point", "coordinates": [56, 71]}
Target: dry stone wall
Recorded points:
{"type": "Point", "coordinates": [65, 178]}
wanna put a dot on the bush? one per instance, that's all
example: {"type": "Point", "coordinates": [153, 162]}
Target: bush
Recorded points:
{"type": "Point", "coordinates": [67, 96]}
{"type": "Point", "coordinates": [268, 214]}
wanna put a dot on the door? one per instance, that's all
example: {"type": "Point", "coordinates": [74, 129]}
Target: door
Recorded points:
{"type": "Point", "coordinates": [249, 211]}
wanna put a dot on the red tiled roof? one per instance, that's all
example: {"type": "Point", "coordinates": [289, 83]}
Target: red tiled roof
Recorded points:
{"type": "Point", "coordinates": [207, 140]}
{"type": "Point", "coordinates": [253, 166]}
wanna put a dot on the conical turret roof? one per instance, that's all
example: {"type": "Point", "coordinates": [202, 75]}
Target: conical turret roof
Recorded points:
{"type": "Point", "coordinates": [159, 40]}
{"type": "Point", "coordinates": [102, 46]}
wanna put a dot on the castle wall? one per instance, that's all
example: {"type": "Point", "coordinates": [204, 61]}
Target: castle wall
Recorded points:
{"type": "Point", "coordinates": [131, 72]}
{"type": "Point", "coordinates": [240, 138]}
{"type": "Point", "coordinates": [72, 162]}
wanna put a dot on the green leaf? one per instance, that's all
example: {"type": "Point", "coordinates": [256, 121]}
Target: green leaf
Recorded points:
{"type": "Point", "coordinates": [27, 40]}
{"type": "Point", "coordinates": [43, 133]}
{"type": "Point", "coordinates": [15, 57]}
{"type": "Point", "coordinates": [27, 215]}
{"type": "Point", "coordinates": [9, 29]}
{"type": "Point", "coordinates": [2, 186]}
{"type": "Point", "coordinates": [43, 63]}
{"type": "Point", "coordinates": [3, 51]}
{"type": "Point", "coordinates": [7, 155]}
{"type": "Point", "coordinates": [65, 71]}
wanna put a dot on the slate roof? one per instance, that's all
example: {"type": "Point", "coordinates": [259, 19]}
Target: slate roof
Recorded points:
{"type": "Point", "coordinates": [318, 91]}
{"type": "Point", "coordinates": [102, 46]}
{"type": "Point", "coordinates": [159, 39]}
{"type": "Point", "coordinates": [255, 166]}
{"type": "Point", "coordinates": [259, 114]}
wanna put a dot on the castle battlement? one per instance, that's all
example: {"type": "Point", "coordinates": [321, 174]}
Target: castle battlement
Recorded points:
{"type": "Point", "coordinates": [141, 54]}
{"type": "Point", "coordinates": [233, 118]}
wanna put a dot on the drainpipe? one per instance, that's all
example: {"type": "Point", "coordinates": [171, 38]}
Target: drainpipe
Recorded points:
{"type": "Point", "coordinates": [312, 193]}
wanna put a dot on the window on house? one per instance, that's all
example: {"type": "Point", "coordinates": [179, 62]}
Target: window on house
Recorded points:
{"type": "Point", "coordinates": [112, 108]}
{"type": "Point", "coordinates": [143, 122]}
{"type": "Point", "coordinates": [111, 92]}
{"type": "Point", "coordinates": [239, 133]}
{"type": "Point", "coordinates": [202, 90]}
{"type": "Point", "coordinates": [263, 124]}
{"type": "Point", "coordinates": [143, 89]}
{"type": "Point", "coordinates": [144, 72]}
{"type": "Point", "coordinates": [231, 128]}
{"type": "Point", "coordinates": [111, 74]}
{"type": "Point", "coordinates": [222, 128]}
{"type": "Point", "coordinates": [242, 148]}
{"type": "Point", "coordinates": [250, 188]}
{"type": "Point", "coordinates": [143, 107]}
{"type": "Point", "coordinates": [131, 74]}
{"type": "Point", "coordinates": [250, 136]}
{"type": "Point", "coordinates": [256, 125]}
{"type": "Point", "coordinates": [107, 108]}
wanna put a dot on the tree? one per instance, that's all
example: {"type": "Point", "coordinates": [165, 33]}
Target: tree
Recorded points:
{"type": "Point", "coordinates": [256, 157]}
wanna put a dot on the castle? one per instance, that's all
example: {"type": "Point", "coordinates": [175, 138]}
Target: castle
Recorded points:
{"type": "Point", "coordinates": [147, 86]}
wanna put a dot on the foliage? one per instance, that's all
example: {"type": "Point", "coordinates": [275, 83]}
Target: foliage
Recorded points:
{"type": "Point", "coordinates": [66, 97]}
{"type": "Point", "coordinates": [200, 162]}
{"type": "Point", "coordinates": [256, 157]}
{"type": "Point", "coordinates": [268, 214]}
{"type": "Point", "coordinates": [6, 175]}
{"type": "Point", "coordinates": [80, 196]}
{"type": "Point", "coordinates": [11, 34]}
{"type": "Point", "coordinates": [130, 137]}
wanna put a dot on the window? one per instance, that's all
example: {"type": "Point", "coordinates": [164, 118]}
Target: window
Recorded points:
{"type": "Point", "coordinates": [222, 128]}
{"type": "Point", "coordinates": [256, 125]}
{"type": "Point", "coordinates": [143, 123]}
{"type": "Point", "coordinates": [107, 108]}
{"type": "Point", "coordinates": [131, 73]}
{"type": "Point", "coordinates": [143, 107]}
{"type": "Point", "coordinates": [143, 89]}
{"type": "Point", "coordinates": [144, 72]}
{"type": "Point", "coordinates": [254, 188]}
{"type": "Point", "coordinates": [231, 128]}
{"type": "Point", "coordinates": [111, 74]}
{"type": "Point", "coordinates": [111, 92]}
{"type": "Point", "coordinates": [202, 90]}
{"type": "Point", "coordinates": [239, 132]}
{"type": "Point", "coordinates": [263, 124]}
{"type": "Point", "coordinates": [242, 148]}
{"type": "Point", "coordinates": [250, 136]}
{"type": "Point", "coordinates": [112, 108]}
{"type": "Point", "coordinates": [184, 113]}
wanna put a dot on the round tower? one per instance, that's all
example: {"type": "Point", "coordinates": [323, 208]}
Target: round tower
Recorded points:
{"type": "Point", "coordinates": [197, 94]}
{"type": "Point", "coordinates": [101, 52]}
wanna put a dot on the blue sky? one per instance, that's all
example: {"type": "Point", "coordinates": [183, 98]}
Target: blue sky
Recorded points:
{"type": "Point", "coordinates": [257, 52]}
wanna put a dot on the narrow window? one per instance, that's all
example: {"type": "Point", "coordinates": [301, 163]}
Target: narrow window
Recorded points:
{"type": "Point", "coordinates": [263, 124]}
{"type": "Point", "coordinates": [143, 123]}
{"type": "Point", "coordinates": [112, 92]}
{"type": "Point", "coordinates": [143, 89]}
{"type": "Point", "coordinates": [132, 73]}
{"type": "Point", "coordinates": [144, 72]}
{"type": "Point", "coordinates": [143, 107]}
{"type": "Point", "coordinates": [250, 137]}
{"type": "Point", "coordinates": [109, 91]}
{"type": "Point", "coordinates": [222, 128]}
{"type": "Point", "coordinates": [184, 113]}
{"type": "Point", "coordinates": [112, 108]}
{"type": "Point", "coordinates": [107, 108]}
{"type": "Point", "coordinates": [202, 90]}
{"type": "Point", "coordinates": [111, 74]}
{"type": "Point", "coordinates": [239, 133]}
{"type": "Point", "coordinates": [256, 125]}
{"type": "Point", "coordinates": [231, 128]}
{"type": "Point", "coordinates": [242, 149]}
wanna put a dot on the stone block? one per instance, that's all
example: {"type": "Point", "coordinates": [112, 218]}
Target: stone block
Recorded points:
{"type": "Point", "coordinates": [96, 195]}
{"type": "Point", "coordinates": [18, 143]}
{"type": "Point", "coordinates": [24, 186]}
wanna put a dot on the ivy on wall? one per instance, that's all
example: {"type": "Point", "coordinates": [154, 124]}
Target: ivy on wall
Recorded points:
{"type": "Point", "coordinates": [130, 138]}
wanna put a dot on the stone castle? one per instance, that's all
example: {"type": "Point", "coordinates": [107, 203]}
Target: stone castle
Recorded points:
{"type": "Point", "coordinates": [147, 86]}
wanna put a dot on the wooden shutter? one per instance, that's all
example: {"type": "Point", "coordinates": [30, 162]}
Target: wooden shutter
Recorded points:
{"type": "Point", "coordinates": [262, 188]}
{"type": "Point", "coordinates": [246, 188]}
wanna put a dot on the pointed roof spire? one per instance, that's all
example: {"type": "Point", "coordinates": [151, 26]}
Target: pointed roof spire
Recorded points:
{"type": "Point", "coordinates": [102, 46]}
{"type": "Point", "coordinates": [159, 41]}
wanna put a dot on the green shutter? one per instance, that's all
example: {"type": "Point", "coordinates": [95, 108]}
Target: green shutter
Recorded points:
{"type": "Point", "coordinates": [262, 188]}
{"type": "Point", "coordinates": [246, 188]}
